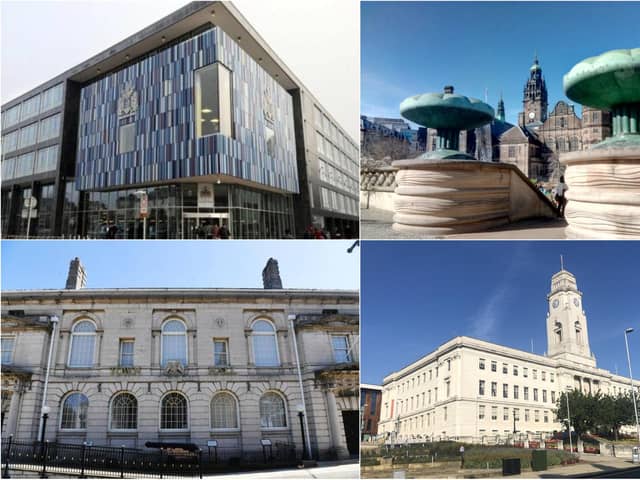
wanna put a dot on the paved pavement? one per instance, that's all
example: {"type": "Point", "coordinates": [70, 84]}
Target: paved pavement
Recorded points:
{"type": "Point", "coordinates": [327, 470]}
{"type": "Point", "coordinates": [376, 224]}
{"type": "Point", "coordinates": [590, 466]}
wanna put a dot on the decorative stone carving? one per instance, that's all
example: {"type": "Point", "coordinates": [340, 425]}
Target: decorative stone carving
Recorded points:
{"type": "Point", "coordinates": [271, 275]}
{"type": "Point", "coordinates": [174, 368]}
{"type": "Point", "coordinates": [127, 102]}
{"type": "Point", "coordinates": [220, 322]}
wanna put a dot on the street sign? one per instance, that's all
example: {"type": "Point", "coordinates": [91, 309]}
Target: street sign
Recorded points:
{"type": "Point", "coordinates": [144, 205]}
{"type": "Point", "coordinates": [25, 213]}
{"type": "Point", "coordinates": [30, 202]}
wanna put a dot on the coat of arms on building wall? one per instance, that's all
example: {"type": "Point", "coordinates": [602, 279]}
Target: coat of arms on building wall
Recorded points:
{"type": "Point", "coordinates": [127, 102]}
{"type": "Point", "coordinates": [267, 106]}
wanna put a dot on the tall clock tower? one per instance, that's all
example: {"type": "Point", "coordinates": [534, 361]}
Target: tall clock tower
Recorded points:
{"type": "Point", "coordinates": [567, 333]}
{"type": "Point", "coordinates": [534, 103]}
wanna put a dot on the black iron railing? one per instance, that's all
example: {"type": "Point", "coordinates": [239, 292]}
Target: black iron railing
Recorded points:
{"type": "Point", "coordinates": [86, 460]}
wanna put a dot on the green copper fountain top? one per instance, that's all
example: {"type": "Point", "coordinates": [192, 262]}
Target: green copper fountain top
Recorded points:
{"type": "Point", "coordinates": [607, 80]}
{"type": "Point", "coordinates": [446, 110]}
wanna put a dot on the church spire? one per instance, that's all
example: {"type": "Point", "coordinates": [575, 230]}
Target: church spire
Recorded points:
{"type": "Point", "coordinates": [501, 115]}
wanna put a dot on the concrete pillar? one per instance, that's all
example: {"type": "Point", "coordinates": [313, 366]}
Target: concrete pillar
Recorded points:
{"type": "Point", "coordinates": [12, 417]}
{"type": "Point", "coordinates": [337, 437]}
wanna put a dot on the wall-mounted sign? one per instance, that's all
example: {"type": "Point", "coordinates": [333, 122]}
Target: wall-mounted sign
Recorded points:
{"type": "Point", "coordinates": [205, 195]}
{"type": "Point", "coordinates": [127, 102]}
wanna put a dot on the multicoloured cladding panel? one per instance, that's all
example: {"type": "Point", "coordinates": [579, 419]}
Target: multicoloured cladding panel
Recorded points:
{"type": "Point", "coordinates": [166, 146]}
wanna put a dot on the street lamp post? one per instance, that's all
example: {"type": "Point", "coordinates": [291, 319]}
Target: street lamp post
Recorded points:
{"type": "Point", "coordinates": [304, 441]}
{"type": "Point", "coordinates": [53, 319]}
{"type": "Point", "coordinates": [45, 415]}
{"type": "Point", "coordinates": [633, 390]}
{"type": "Point", "coordinates": [569, 422]}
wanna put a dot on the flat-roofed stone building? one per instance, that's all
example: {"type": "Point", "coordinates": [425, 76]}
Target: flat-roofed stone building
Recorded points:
{"type": "Point", "coordinates": [472, 390]}
{"type": "Point", "coordinates": [130, 366]}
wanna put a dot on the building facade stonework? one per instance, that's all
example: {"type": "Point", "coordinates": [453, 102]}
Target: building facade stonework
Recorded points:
{"type": "Point", "coordinates": [183, 365]}
{"type": "Point", "coordinates": [474, 390]}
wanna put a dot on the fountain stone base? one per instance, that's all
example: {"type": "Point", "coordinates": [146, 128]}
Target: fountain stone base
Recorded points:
{"type": "Point", "coordinates": [603, 198]}
{"type": "Point", "coordinates": [441, 197]}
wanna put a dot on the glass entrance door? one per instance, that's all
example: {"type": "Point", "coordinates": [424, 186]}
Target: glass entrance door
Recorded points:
{"type": "Point", "coordinates": [203, 226]}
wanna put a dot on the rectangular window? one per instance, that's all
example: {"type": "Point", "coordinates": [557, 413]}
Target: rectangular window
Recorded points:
{"type": "Point", "coordinates": [51, 98]}
{"type": "Point", "coordinates": [544, 375]}
{"type": "Point", "coordinates": [221, 352]}
{"type": "Point", "coordinates": [373, 400]}
{"type": "Point", "coordinates": [213, 90]}
{"type": "Point", "coordinates": [505, 390]}
{"type": "Point", "coordinates": [8, 168]}
{"type": "Point", "coordinates": [445, 414]}
{"type": "Point", "coordinates": [24, 164]}
{"type": "Point", "coordinates": [516, 414]}
{"type": "Point", "coordinates": [505, 368]}
{"type": "Point", "coordinates": [494, 389]}
{"type": "Point", "coordinates": [481, 364]}
{"type": "Point", "coordinates": [535, 374]}
{"type": "Point", "coordinates": [515, 371]}
{"type": "Point", "coordinates": [317, 116]}
{"type": "Point", "coordinates": [553, 397]}
{"type": "Point", "coordinates": [127, 138]}
{"type": "Point", "coordinates": [515, 392]}
{"type": "Point", "coordinates": [126, 352]}
{"type": "Point", "coordinates": [551, 377]}
{"type": "Point", "coordinates": [544, 396]}
{"type": "Point", "coordinates": [435, 394]}
{"type": "Point", "coordinates": [494, 366]}
{"type": "Point", "coordinates": [505, 413]}
{"type": "Point", "coordinates": [30, 108]}
{"type": "Point", "coordinates": [535, 394]}
{"type": "Point", "coordinates": [340, 345]}
{"type": "Point", "coordinates": [10, 142]}
{"type": "Point", "coordinates": [28, 135]}
{"type": "Point", "coordinates": [11, 116]}
{"type": "Point", "coordinates": [481, 412]}
{"type": "Point", "coordinates": [47, 159]}
{"type": "Point", "coordinates": [481, 387]}
{"type": "Point", "coordinates": [526, 393]}
{"type": "Point", "coordinates": [527, 414]}
{"type": "Point", "coordinates": [49, 128]}
{"type": "Point", "coordinates": [448, 365]}
{"type": "Point", "coordinates": [536, 415]}
{"type": "Point", "coordinates": [7, 350]}
{"type": "Point", "coordinates": [494, 413]}
{"type": "Point", "coordinates": [525, 372]}
{"type": "Point", "coordinates": [448, 384]}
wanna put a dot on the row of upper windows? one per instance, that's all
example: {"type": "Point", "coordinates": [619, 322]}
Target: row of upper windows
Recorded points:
{"type": "Point", "coordinates": [41, 103]}
{"type": "Point", "coordinates": [46, 129]}
{"type": "Point", "coordinates": [516, 414]}
{"type": "Point", "coordinates": [331, 152]}
{"type": "Point", "coordinates": [516, 369]}
{"type": "Point", "coordinates": [516, 392]}
{"type": "Point", "coordinates": [423, 377]}
{"type": "Point", "coordinates": [337, 137]}
{"type": "Point", "coordinates": [337, 202]}
{"type": "Point", "coordinates": [174, 411]}
{"type": "Point", "coordinates": [174, 349]}
{"type": "Point", "coordinates": [31, 163]}
{"type": "Point", "coordinates": [330, 174]}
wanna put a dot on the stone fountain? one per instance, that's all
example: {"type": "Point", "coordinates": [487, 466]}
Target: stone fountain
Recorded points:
{"type": "Point", "coordinates": [604, 182]}
{"type": "Point", "coordinates": [447, 191]}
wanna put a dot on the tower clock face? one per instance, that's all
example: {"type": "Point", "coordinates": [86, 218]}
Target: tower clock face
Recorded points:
{"type": "Point", "coordinates": [576, 302]}
{"type": "Point", "coordinates": [532, 115]}
{"type": "Point", "coordinates": [555, 303]}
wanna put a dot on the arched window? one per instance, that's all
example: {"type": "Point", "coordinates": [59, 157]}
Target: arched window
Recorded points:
{"type": "Point", "coordinates": [224, 411]}
{"type": "Point", "coordinates": [272, 411]}
{"type": "Point", "coordinates": [174, 342]}
{"type": "Point", "coordinates": [578, 333]}
{"type": "Point", "coordinates": [174, 412]}
{"type": "Point", "coordinates": [74, 412]}
{"type": "Point", "coordinates": [265, 346]}
{"type": "Point", "coordinates": [124, 412]}
{"type": "Point", "coordinates": [83, 344]}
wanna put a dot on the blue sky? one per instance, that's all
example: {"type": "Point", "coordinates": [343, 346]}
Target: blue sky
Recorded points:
{"type": "Point", "coordinates": [417, 295]}
{"type": "Point", "coordinates": [303, 264]}
{"type": "Point", "coordinates": [409, 48]}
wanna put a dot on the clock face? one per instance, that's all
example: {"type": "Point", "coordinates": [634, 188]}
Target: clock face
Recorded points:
{"type": "Point", "coordinates": [532, 115]}
{"type": "Point", "coordinates": [556, 302]}
{"type": "Point", "coordinates": [576, 302]}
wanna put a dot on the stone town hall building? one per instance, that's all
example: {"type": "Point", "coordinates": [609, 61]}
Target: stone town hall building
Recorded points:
{"type": "Point", "coordinates": [183, 365]}
{"type": "Point", "coordinates": [469, 389]}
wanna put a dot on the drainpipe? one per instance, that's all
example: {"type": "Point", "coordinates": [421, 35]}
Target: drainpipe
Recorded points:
{"type": "Point", "coordinates": [54, 321]}
{"type": "Point", "coordinates": [304, 405]}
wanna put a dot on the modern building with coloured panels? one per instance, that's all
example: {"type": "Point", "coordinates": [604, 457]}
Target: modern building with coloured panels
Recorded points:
{"type": "Point", "coordinates": [189, 124]}
{"type": "Point", "coordinates": [127, 366]}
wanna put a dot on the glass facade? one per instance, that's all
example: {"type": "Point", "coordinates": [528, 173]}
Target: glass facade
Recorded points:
{"type": "Point", "coordinates": [185, 211]}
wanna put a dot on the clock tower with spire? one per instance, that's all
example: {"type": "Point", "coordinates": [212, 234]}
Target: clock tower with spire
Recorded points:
{"type": "Point", "coordinates": [567, 333]}
{"type": "Point", "coordinates": [534, 102]}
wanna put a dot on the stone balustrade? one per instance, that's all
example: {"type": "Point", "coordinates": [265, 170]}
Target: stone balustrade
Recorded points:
{"type": "Point", "coordinates": [377, 185]}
